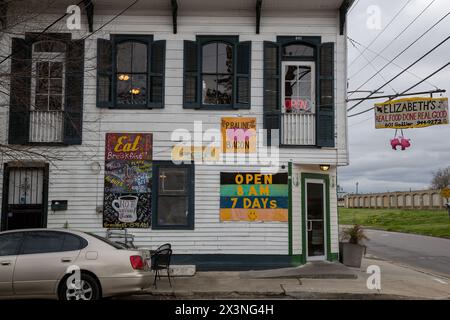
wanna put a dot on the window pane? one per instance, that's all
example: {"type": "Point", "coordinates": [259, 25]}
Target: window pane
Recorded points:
{"type": "Point", "coordinates": [139, 63]}
{"type": "Point", "coordinates": [172, 210]}
{"type": "Point", "coordinates": [10, 243]}
{"type": "Point", "coordinates": [56, 86]}
{"type": "Point", "coordinates": [41, 102]}
{"type": "Point", "coordinates": [42, 69]}
{"type": "Point", "coordinates": [132, 91]}
{"type": "Point", "coordinates": [224, 58]}
{"type": "Point", "coordinates": [209, 61]}
{"type": "Point", "coordinates": [209, 89]}
{"type": "Point", "coordinates": [124, 51]}
{"type": "Point", "coordinates": [42, 242]}
{"type": "Point", "coordinates": [55, 103]}
{"type": "Point", "coordinates": [172, 180]}
{"type": "Point", "coordinates": [49, 46]}
{"type": "Point", "coordinates": [298, 50]}
{"type": "Point", "coordinates": [42, 85]}
{"type": "Point", "coordinates": [71, 243]}
{"type": "Point", "coordinates": [224, 88]}
{"type": "Point", "coordinates": [56, 69]}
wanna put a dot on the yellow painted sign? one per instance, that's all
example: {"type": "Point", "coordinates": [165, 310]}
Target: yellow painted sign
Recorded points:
{"type": "Point", "coordinates": [411, 113]}
{"type": "Point", "coordinates": [238, 135]}
{"type": "Point", "coordinates": [252, 196]}
{"type": "Point", "coordinates": [445, 193]}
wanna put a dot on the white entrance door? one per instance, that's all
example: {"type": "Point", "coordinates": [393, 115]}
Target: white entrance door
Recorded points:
{"type": "Point", "coordinates": [315, 219]}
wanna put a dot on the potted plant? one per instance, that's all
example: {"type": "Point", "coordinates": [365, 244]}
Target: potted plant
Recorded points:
{"type": "Point", "coordinates": [352, 251]}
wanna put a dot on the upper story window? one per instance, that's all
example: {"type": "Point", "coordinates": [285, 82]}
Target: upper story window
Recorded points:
{"type": "Point", "coordinates": [44, 108]}
{"type": "Point", "coordinates": [48, 76]}
{"type": "Point", "coordinates": [216, 73]}
{"type": "Point", "coordinates": [130, 72]}
{"type": "Point", "coordinates": [299, 91]}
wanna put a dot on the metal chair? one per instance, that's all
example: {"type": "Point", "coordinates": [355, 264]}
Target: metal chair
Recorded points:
{"type": "Point", "coordinates": [161, 261]}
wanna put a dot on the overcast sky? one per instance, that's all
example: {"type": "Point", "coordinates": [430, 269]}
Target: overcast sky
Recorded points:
{"type": "Point", "coordinates": [373, 163]}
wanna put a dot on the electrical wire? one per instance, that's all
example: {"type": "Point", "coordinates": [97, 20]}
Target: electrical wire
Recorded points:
{"type": "Point", "coordinates": [398, 36]}
{"type": "Point", "coordinates": [404, 50]}
{"type": "Point", "coordinates": [399, 94]}
{"type": "Point", "coordinates": [382, 31]}
{"type": "Point", "coordinates": [398, 75]}
{"type": "Point", "coordinates": [392, 62]}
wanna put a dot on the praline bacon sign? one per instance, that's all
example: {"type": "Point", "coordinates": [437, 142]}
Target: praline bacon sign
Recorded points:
{"type": "Point", "coordinates": [128, 176]}
{"type": "Point", "coordinates": [250, 196]}
{"type": "Point", "coordinates": [238, 135]}
{"type": "Point", "coordinates": [411, 113]}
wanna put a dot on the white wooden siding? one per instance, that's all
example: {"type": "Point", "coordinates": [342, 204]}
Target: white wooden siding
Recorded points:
{"type": "Point", "coordinates": [71, 178]}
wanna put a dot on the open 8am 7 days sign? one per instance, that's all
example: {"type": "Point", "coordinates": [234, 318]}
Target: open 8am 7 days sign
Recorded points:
{"type": "Point", "coordinates": [411, 113]}
{"type": "Point", "coordinates": [128, 176]}
{"type": "Point", "coordinates": [250, 196]}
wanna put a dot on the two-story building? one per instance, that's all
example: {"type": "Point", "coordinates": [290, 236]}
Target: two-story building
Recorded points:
{"type": "Point", "coordinates": [92, 118]}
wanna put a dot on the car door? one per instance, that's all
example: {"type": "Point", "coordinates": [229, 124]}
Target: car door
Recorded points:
{"type": "Point", "coordinates": [43, 260]}
{"type": "Point", "coordinates": [9, 247]}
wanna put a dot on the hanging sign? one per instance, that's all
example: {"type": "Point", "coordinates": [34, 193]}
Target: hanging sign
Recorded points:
{"type": "Point", "coordinates": [411, 113]}
{"type": "Point", "coordinates": [128, 176]}
{"type": "Point", "coordinates": [250, 196]}
{"type": "Point", "coordinates": [238, 135]}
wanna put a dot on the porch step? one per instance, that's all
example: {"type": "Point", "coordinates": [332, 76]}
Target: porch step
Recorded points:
{"type": "Point", "coordinates": [182, 270]}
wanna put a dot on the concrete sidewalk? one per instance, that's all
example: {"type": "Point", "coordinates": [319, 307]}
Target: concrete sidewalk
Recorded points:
{"type": "Point", "coordinates": [397, 282]}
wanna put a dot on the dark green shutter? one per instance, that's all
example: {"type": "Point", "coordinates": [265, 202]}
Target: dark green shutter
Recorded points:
{"type": "Point", "coordinates": [191, 79]}
{"type": "Point", "coordinates": [73, 108]}
{"type": "Point", "coordinates": [325, 108]}
{"type": "Point", "coordinates": [104, 74]}
{"type": "Point", "coordinates": [20, 92]}
{"type": "Point", "coordinates": [157, 67]}
{"type": "Point", "coordinates": [271, 99]}
{"type": "Point", "coordinates": [242, 75]}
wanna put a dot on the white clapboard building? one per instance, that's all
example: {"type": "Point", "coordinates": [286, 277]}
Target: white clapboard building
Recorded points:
{"type": "Point", "coordinates": [109, 124]}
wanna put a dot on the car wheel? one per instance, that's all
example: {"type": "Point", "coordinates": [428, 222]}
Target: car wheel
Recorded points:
{"type": "Point", "coordinates": [88, 289]}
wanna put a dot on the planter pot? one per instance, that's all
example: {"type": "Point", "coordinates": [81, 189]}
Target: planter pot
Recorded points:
{"type": "Point", "coordinates": [352, 254]}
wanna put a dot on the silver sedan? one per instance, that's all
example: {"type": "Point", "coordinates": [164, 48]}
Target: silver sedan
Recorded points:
{"type": "Point", "coordinates": [68, 265]}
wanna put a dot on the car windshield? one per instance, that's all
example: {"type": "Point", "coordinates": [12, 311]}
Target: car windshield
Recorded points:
{"type": "Point", "coordinates": [111, 243]}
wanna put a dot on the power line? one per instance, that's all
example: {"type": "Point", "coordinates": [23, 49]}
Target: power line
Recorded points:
{"type": "Point", "coordinates": [404, 92]}
{"type": "Point", "coordinates": [399, 35]}
{"type": "Point", "coordinates": [43, 31]}
{"type": "Point", "coordinates": [382, 31]}
{"type": "Point", "coordinates": [371, 64]}
{"type": "Point", "coordinates": [404, 50]}
{"type": "Point", "coordinates": [395, 77]}
{"type": "Point", "coordinates": [386, 59]}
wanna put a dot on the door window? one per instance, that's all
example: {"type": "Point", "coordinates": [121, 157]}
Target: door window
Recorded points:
{"type": "Point", "coordinates": [42, 242]}
{"type": "Point", "coordinates": [298, 87]}
{"type": "Point", "coordinates": [316, 223]}
{"type": "Point", "coordinates": [10, 244]}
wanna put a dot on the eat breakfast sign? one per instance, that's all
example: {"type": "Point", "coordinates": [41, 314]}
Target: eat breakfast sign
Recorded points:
{"type": "Point", "coordinates": [411, 113]}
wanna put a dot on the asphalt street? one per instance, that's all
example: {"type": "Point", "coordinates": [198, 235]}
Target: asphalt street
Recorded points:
{"type": "Point", "coordinates": [422, 252]}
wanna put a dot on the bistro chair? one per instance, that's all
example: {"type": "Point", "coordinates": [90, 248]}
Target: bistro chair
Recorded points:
{"type": "Point", "coordinates": [161, 261]}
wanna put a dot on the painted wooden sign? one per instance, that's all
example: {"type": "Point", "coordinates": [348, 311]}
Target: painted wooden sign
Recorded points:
{"type": "Point", "coordinates": [128, 176]}
{"type": "Point", "coordinates": [251, 196]}
{"type": "Point", "coordinates": [238, 135]}
{"type": "Point", "coordinates": [411, 113]}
